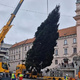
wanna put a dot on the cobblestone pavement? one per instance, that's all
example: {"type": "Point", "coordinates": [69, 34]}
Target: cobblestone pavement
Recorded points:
{"type": "Point", "coordinates": [29, 79]}
{"type": "Point", "coordinates": [16, 79]}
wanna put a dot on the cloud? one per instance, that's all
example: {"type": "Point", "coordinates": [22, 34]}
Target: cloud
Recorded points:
{"type": "Point", "coordinates": [31, 14]}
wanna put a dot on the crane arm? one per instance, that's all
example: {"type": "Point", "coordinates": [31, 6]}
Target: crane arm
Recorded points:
{"type": "Point", "coordinates": [7, 27]}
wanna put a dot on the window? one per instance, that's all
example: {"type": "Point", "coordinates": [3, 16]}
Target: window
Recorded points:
{"type": "Point", "coordinates": [4, 66]}
{"type": "Point", "coordinates": [9, 58]}
{"type": "Point", "coordinates": [19, 49]}
{"type": "Point", "coordinates": [65, 51]}
{"type": "Point", "coordinates": [56, 52]}
{"type": "Point", "coordinates": [12, 51]}
{"type": "Point", "coordinates": [28, 47]}
{"type": "Point", "coordinates": [74, 40]}
{"type": "Point", "coordinates": [74, 50]}
{"type": "Point", "coordinates": [19, 56]}
{"type": "Point", "coordinates": [65, 42]}
{"type": "Point", "coordinates": [19, 63]}
{"type": "Point", "coordinates": [25, 48]}
{"type": "Point", "coordinates": [17, 68]}
{"type": "Point", "coordinates": [56, 42]}
{"type": "Point", "coordinates": [16, 50]}
{"type": "Point", "coordinates": [4, 48]}
{"type": "Point", "coordinates": [14, 57]}
{"type": "Point", "coordinates": [56, 61]}
{"type": "Point", "coordinates": [25, 56]}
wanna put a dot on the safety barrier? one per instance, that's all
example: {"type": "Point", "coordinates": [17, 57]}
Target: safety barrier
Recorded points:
{"type": "Point", "coordinates": [71, 78]}
{"type": "Point", "coordinates": [34, 76]}
{"type": "Point", "coordinates": [6, 78]}
{"type": "Point", "coordinates": [52, 78]}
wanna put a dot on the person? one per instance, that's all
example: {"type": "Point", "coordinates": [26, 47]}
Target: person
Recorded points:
{"type": "Point", "coordinates": [20, 76]}
{"type": "Point", "coordinates": [66, 77]}
{"type": "Point", "coordinates": [79, 74]}
{"type": "Point", "coordinates": [76, 77]}
{"type": "Point", "coordinates": [13, 77]}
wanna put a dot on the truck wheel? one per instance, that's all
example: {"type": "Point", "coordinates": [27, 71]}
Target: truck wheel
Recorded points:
{"type": "Point", "coordinates": [54, 79]}
{"type": "Point", "coordinates": [59, 79]}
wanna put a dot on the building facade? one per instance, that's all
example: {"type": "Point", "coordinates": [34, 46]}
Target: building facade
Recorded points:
{"type": "Point", "coordinates": [17, 53]}
{"type": "Point", "coordinates": [4, 52]}
{"type": "Point", "coordinates": [68, 45]}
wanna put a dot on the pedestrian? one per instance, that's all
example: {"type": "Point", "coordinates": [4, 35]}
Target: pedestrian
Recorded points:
{"type": "Point", "coordinates": [66, 77]}
{"type": "Point", "coordinates": [76, 77]}
{"type": "Point", "coordinates": [20, 76]}
{"type": "Point", "coordinates": [13, 77]}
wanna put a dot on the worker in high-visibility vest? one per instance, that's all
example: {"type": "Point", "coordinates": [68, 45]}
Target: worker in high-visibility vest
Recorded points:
{"type": "Point", "coordinates": [79, 74]}
{"type": "Point", "coordinates": [20, 76]}
{"type": "Point", "coordinates": [13, 77]}
{"type": "Point", "coordinates": [66, 78]}
{"type": "Point", "coordinates": [76, 77]}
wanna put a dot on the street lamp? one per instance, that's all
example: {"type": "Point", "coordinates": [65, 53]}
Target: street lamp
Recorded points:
{"type": "Point", "coordinates": [47, 7]}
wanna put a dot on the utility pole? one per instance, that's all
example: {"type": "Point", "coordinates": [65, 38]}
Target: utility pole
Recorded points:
{"type": "Point", "coordinates": [47, 7]}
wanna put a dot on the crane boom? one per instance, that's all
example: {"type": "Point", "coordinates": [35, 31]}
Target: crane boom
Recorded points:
{"type": "Point", "coordinates": [7, 27]}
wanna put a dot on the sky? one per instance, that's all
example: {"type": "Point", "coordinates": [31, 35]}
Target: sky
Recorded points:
{"type": "Point", "coordinates": [31, 14]}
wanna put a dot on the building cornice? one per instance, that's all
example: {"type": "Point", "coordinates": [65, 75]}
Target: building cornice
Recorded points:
{"type": "Point", "coordinates": [65, 37]}
{"type": "Point", "coordinates": [77, 25]}
{"type": "Point", "coordinates": [57, 57]}
{"type": "Point", "coordinates": [77, 10]}
{"type": "Point", "coordinates": [77, 17]}
{"type": "Point", "coordinates": [11, 61]}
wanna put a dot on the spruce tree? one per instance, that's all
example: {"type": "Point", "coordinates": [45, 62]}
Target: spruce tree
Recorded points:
{"type": "Point", "coordinates": [41, 53]}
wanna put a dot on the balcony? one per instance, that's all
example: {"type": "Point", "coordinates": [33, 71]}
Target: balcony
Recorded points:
{"type": "Point", "coordinates": [66, 66]}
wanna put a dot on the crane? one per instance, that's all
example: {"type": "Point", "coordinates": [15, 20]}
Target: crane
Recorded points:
{"type": "Point", "coordinates": [3, 32]}
{"type": "Point", "coordinates": [8, 25]}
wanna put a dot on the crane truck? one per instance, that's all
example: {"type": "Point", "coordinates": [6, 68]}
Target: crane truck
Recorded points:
{"type": "Point", "coordinates": [21, 68]}
{"type": "Point", "coordinates": [4, 66]}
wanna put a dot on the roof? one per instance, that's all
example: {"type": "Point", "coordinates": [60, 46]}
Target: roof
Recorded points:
{"type": "Point", "coordinates": [67, 31]}
{"type": "Point", "coordinates": [24, 42]}
{"type": "Point", "coordinates": [62, 33]}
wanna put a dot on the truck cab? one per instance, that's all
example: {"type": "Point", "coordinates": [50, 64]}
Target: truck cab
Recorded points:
{"type": "Point", "coordinates": [20, 69]}
{"type": "Point", "coordinates": [4, 70]}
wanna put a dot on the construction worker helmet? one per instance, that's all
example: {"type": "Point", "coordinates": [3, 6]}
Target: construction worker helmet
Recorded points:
{"type": "Point", "coordinates": [66, 74]}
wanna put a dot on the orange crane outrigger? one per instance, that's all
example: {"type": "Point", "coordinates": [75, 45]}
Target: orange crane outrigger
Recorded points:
{"type": "Point", "coordinates": [7, 27]}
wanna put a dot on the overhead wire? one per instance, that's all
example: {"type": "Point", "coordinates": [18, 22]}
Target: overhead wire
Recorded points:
{"type": "Point", "coordinates": [35, 11]}
{"type": "Point", "coordinates": [23, 9]}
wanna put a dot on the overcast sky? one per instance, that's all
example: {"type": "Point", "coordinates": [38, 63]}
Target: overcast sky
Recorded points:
{"type": "Point", "coordinates": [31, 14]}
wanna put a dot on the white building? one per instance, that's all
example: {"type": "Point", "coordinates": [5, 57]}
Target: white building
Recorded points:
{"type": "Point", "coordinates": [17, 53]}
{"type": "Point", "coordinates": [4, 52]}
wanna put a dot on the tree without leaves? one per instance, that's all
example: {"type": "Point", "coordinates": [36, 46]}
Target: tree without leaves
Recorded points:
{"type": "Point", "coordinates": [41, 54]}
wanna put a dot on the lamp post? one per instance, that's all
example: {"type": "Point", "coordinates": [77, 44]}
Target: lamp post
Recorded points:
{"type": "Point", "coordinates": [47, 7]}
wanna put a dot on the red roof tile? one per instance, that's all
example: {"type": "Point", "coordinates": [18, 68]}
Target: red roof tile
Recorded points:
{"type": "Point", "coordinates": [67, 31]}
{"type": "Point", "coordinates": [62, 33]}
{"type": "Point", "coordinates": [23, 42]}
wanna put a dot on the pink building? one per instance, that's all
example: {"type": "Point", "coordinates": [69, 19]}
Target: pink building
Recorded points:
{"type": "Point", "coordinates": [68, 43]}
